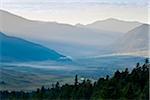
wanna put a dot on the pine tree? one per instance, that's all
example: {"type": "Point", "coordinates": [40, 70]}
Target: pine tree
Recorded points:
{"type": "Point", "coordinates": [76, 80]}
{"type": "Point", "coordinates": [57, 85]}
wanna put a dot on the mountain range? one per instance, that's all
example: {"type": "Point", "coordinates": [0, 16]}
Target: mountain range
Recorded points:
{"type": "Point", "coordinates": [112, 25]}
{"type": "Point", "coordinates": [98, 38]}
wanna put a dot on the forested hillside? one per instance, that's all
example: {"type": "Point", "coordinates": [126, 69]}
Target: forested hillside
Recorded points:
{"type": "Point", "coordinates": [122, 85]}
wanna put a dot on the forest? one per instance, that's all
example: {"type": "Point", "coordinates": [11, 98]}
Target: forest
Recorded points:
{"type": "Point", "coordinates": [121, 86]}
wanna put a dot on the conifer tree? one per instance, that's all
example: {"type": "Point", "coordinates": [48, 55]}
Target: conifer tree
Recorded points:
{"type": "Point", "coordinates": [76, 80]}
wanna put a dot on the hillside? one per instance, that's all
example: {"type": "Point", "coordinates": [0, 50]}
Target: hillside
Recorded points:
{"type": "Point", "coordinates": [16, 49]}
{"type": "Point", "coordinates": [64, 38]}
{"type": "Point", "coordinates": [134, 40]}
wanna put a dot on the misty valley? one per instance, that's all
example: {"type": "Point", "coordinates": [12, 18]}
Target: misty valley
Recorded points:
{"type": "Point", "coordinates": [49, 60]}
{"type": "Point", "coordinates": [32, 75]}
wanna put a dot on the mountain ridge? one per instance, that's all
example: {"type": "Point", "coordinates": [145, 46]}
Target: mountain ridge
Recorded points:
{"type": "Point", "coordinates": [135, 40]}
{"type": "Point", "coordinates": [107, 19]}
{"type": "Point", "coordinates": [67, 39]}
{"type": "Point", "coordinates": [16, 49]}
{"type": "Point", "coordinates": [115, 25]}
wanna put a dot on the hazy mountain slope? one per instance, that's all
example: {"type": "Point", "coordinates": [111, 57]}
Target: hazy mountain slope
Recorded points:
{"type": "Point", "coordinates": [134, 40]}
{"type": "Point", "coordinates": [63, 38]}
{"type": "Point", "coordinates": [15, 49]}
{"type": "Point", "coordinates": [49, 31]}
{"type": "Point", "coordinates": [113, 25]}
{"type": "Point", "coordinates": [95, 39]}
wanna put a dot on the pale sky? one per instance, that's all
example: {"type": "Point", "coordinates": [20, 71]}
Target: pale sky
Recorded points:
{"type": "Point", "coordinates": [78, 11]}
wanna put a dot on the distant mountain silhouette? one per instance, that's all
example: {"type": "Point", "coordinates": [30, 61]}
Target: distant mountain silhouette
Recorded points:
{"type": "Point", "coordinates": [95, 38]}
{"type": "Point", "coordinates": [16, 49]}
{"type": "Point", "coordinates": [64, 38]}
{"type": "Point", "coordinates": [134, 40]}
{"type": "Point", "coordinates": [113, 25]}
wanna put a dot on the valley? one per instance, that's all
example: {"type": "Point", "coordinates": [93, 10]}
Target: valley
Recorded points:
{"type": "Point", "coordinates": [37, 53]}
{"type": "Point", "coordinates": [32, 75]}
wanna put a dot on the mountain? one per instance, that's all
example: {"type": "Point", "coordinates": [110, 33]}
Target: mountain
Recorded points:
{"type": "Point", "coordinates": [16, 49]}
{"type": "Point", "coordinates": [134, 40]}
{"type": "Point", "coordinates": [95, 39]}
{"type": "Point", "coordinates": [64, 38]}
{"type": "Point", "coordinates": [51, 31]}
{"type": "Point", "coordinates": [113, 25]}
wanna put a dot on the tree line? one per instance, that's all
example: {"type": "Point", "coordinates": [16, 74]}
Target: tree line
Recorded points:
{"type": "Point", "coordinates": [122, 85]}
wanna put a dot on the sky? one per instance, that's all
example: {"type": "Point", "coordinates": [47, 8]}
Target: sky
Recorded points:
{"type": "Point", "coordinates": [78, 11]}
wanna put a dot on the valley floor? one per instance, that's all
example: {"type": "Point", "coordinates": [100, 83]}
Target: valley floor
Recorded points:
{"type": "Point", "coordinates": [29, 76]}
